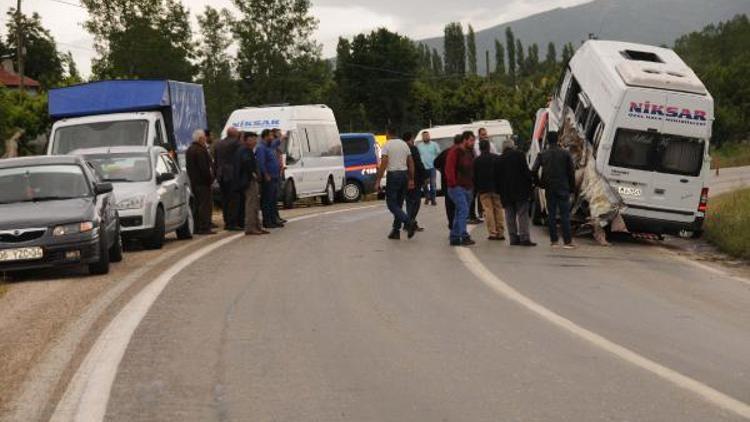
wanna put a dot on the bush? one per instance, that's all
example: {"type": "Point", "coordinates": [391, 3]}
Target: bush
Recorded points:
{"type": "Point", "coordinates": [728, 223]}
{"type": "Point", "coordinates": [731, 155]}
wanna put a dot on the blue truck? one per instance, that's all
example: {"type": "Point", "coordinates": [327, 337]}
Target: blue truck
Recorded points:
{"type": "Point", "coordinates": [126, 113]}
{"type": "Point", "coordinates": [361, 158]}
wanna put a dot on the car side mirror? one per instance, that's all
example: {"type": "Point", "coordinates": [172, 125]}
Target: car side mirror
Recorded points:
{"type": "Point", "coordinates": [102, 188]}
{"type": "Point", "coordinates": [164, 177]}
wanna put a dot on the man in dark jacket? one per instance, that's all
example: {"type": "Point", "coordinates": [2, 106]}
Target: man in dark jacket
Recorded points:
{"type": "Point", "coordinates": [200, 172]}
{"type": "Point", "coordinates": [485, 185]}
{"type": "Point", "coordinates": [247, 180]}
{"type": "Point", "coordinates": [414, 196]}
{"type": "Point", "coordinates": [230, 199]}
{"type": "Point", "coordinates": [514, 183]}
{"type": "Point", "coordinates": [558, 181]}
{"type": "Point", "coordinates": [450, 207]}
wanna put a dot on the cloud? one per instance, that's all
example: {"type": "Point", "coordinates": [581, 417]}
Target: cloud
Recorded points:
{"type": "Point", "coordinates": [347, 21]}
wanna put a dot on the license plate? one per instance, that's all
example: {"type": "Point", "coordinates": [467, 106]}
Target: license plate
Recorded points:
{"type": "Point", "coordinates": [21, 254]}
{"type": "Point", "coordinates": [630, 191]}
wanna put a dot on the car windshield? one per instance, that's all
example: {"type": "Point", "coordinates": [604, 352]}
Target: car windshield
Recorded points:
{"type": "Point", "coordinates": [663, 153]}
{"type": "Point", "coordinates": [444, 143]}
{"type": "Point", "coordinates": [132, 167]}
{"type": "Point", "coordinates": [498, 140]}
{"type": "Point", "coordinates": [101, 134]}
{"type": "Point", "coordinates": [42, 183]}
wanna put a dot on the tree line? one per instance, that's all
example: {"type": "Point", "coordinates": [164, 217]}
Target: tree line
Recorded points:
{"type": "Point", "coordinates": [264, 53]}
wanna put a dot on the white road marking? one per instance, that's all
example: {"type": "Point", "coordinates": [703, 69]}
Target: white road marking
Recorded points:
{"type": "Point", "coordinates": [711, 395]}
{"type": "Point", "coordinates": [87, 395]}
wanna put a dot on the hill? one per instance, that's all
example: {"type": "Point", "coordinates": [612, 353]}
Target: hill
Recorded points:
{"type": "Point", "coordinates": [653, 22]}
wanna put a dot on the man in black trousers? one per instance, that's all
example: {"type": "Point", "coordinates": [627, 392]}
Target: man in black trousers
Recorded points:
{"type": "Point", "coordinates": [225, 152]}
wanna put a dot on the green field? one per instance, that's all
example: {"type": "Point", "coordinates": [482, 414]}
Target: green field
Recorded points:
{"type": "Point", "coordinates": [728, 223]}
{"type": "Point", "coordinates": [734, 155]}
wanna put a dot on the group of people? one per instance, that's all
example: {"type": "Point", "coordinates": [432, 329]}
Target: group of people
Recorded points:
{"type": "Point", "coordinates": [474, 172]}
{"type": "Point", "coordinates": [249, 171]}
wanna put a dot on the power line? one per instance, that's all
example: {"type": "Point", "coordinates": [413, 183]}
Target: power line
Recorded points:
{"type": "Point", "coordinates": [68, 3]}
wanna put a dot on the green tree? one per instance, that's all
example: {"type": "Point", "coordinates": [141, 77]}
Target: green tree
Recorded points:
{"type": "Point", "coordinates": [471, 49]}
{"type": "Point", "coordinates": [567, 53]}
{"type": "Point", "coordinates": [42, 61]}
{"type": "Point", "coordinates": [215, 66]}
{"type": "Point", "coordinates": [141, 39]}
{"type": "Point", "coordinates": [278, 59]}
{"type": "Point", "coordinates": [72, 76]}
{"type": "Point", "coordinates": [437, 62]}
{"type": "Point", "coordinates": [510, 43]}
{"type": "Point", "coordinates": [520, 59]}
{"type": "Point", "coordinates": [22, 113]}
{"type": "Point", "coordinates": [377, 70]}
{"type": "Point", "coordinates": [499, 58]}
{"type": "Point", "coordinates": [455, 50]}
{"type": "Point", "coordinates": [532, 59]}
{"type": "Point", "coordinates": [551, 59]}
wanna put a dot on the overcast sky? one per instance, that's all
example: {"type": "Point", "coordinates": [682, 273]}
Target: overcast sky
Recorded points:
{"type": "Point", "coordinates": [415, 18]}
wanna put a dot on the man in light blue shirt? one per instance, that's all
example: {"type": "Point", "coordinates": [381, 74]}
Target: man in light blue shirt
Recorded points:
{"type": "Point", "coordinates": [429, 151]}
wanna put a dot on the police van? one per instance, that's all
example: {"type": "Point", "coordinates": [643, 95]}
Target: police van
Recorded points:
{"type": "Point", "coordinates": [313, 154]}
{"type": "Point", "coordinates": [648, 118]}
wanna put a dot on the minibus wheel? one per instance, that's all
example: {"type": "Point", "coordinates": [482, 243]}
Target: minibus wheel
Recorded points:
{"type": "Point", "coordinates": [290, 195]}
{"type": "Point", "coordinates": [352, 191]}
{"type": "Point", "coordinates": [330, 196]}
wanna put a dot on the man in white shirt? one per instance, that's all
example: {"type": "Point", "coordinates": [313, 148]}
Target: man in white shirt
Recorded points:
{"type": "Point", "coordinates": [397, 161]}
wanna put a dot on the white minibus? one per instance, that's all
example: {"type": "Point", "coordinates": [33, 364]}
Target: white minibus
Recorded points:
{"type": "Point", "coordinates": [312, 149]}
{"type": "Point", "coordinates": [648, 118]}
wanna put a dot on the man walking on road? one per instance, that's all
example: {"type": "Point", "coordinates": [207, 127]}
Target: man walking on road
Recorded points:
{"type": "Point", "coordinates": [230, 199]}
{"type": "Point", "coordinates": [397, 161]}
{"type": "Point", "coordinates": [558, 181]}
{"type": "Point", "coordinates": [269, 170]}
{"type": "Point", "coordinates": [429, 151]}
{"type": "Point", "coordinates": [459, 169]}
{"type": "Point", "coordinates": [414, 196]}
{"type": "Point", "coordinates": [201, 175]}
{"type": "Point", "coordinates": [247, 178]}
{"type": "Point", "coordinates": [485, 184]}
{"type": "Point", "coordinates": [514, 183]}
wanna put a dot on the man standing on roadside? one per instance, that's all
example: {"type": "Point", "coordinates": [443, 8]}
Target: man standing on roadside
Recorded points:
{"type": "Point", "coordinates": [558, 180]}
{"type": "Point", "coordinates": [485, 184]}
{"type": "Point", "coordinates": [450, 207]}
{"type": "Point", "coordinates": [414, 196]}
{"type": "Point", "coordinates": [270, 170]}
{"type": "Point", "coordinates": [201, 175]}
{"type": "Point", "coordinates": [515, 186]}
{"type": "Point", "coordinates": [230, 200]}
{"type": "Point", "coordinates": [429, 151]}
{"type": "Point", "coordinates": [396, 159]}
{"type": "Point", "coordinates": [247, 181]}
{"type": "Point", "coordinates": [459, 169]}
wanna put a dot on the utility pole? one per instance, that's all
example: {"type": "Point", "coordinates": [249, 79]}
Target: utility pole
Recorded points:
{"type": "Point", "coordinates": [19, 45]}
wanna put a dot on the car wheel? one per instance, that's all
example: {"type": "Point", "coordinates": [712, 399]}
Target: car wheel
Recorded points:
{"type": "Point", "coordinates": [290, 195]}
{"type": "Point", "coordinates": [352, 191]}
{"type": "Point", "coordinates": [156, 239]}
{"type": "Point", "coordinates": [115, 252]}
{"type": "Point", "coordinates": [330, 196]}
{"type": "Point", "coordinates": [101, 266]}
{"type": "Point", "coordinates": [185, 232]}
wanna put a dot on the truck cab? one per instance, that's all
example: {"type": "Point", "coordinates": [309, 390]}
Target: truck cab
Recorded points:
{"type": "Point", "coordinates": [108, 130]}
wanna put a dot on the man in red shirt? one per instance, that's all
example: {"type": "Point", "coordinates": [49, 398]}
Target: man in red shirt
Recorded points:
{"type": "Point", "coordinates": [459, 169]}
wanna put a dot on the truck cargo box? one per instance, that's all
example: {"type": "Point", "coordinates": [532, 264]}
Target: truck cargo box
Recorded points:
{"type": "Point", "coordinates": [182, 104]}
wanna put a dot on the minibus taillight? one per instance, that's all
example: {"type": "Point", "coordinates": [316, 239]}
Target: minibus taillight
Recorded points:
{"type": "Point", "coordinates": [703, 206]}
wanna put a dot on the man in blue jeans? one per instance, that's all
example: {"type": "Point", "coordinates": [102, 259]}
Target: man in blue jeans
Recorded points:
{"type": "Point", "coordinates": [270, 170]}
{"type": "Point", "coordinates": [558, 180]}
{"type": "Point", "coordinates": [397, 161]}
{"type": "Point", "coordinates": [428, 152]}
{"type": "Point", "coordinates": [459, 172]}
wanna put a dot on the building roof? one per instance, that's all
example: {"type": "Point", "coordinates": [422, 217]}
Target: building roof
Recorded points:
{"type": "Point", "coordinates": [12, 80]}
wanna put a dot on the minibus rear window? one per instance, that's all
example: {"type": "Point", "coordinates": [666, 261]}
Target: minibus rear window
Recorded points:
{"type": "Point", "coordinates": [663, 153]}
{"type": "Point", "coordinates": [680, 155]}
{"type": "Point", "coordinates": [633, 149]}
{"type": "Point", "coordinates": [356, 146]}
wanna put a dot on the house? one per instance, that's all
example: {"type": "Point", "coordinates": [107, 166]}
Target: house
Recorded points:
{"type": "Point", "coordinates": [10, 80]}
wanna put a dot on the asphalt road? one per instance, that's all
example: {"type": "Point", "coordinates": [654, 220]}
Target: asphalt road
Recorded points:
{"type": "Point", "coordinates": [729, 179]}
{"type": "Point", "coordinates": [328, 320]}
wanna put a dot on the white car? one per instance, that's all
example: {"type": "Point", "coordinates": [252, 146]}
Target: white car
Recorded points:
{"type": "Point", "coordinates": [152, 193]}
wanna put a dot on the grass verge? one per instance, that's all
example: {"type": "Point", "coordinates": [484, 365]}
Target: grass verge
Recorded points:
{"type": "Point", "coordinates": [733, 155]}
{"type": "Point", "coordinates": [728, 223]}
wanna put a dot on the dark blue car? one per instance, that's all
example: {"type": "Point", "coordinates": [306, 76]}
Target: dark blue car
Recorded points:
{"type": "Point", "coordinates": [361, 161]}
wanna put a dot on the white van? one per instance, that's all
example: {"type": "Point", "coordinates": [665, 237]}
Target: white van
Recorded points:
{"type": "Point", "coordinates": [648, 118]}
{"type": "Point", "coordinates": [498, 131]}
{"type": "Point", "coordinates": [312, 148]}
